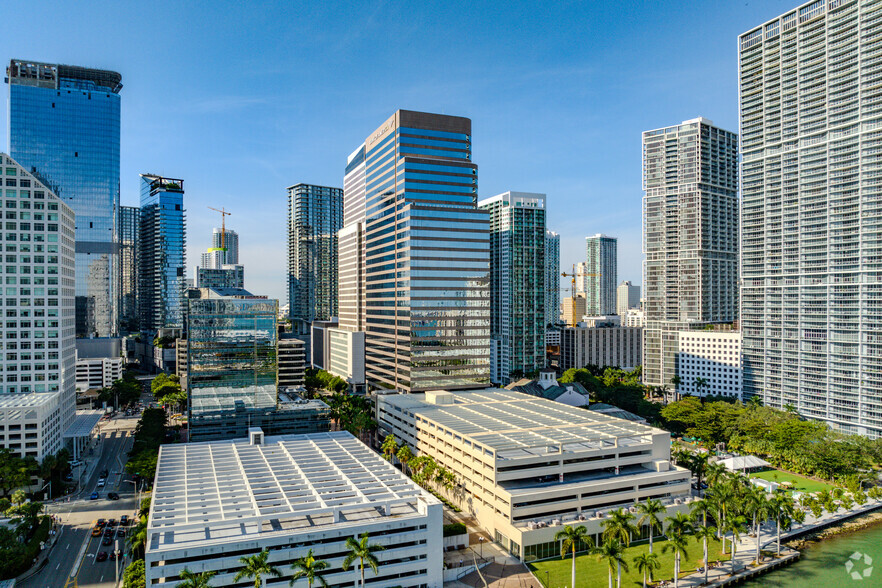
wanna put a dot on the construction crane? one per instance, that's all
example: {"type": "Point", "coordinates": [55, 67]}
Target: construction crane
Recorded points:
{"type": "Point", "coordinates": [572, 288]}
{"type": "Point", "coordinates": [224, 215]}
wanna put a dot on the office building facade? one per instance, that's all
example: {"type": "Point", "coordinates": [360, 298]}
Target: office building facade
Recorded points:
{"type": "Point", "coordinates": [573, 308]}
{"type": "Point", "coordinates": [602, 274]}
{"type": "Point", "coordinates": [226, 276]}
{"type": "Point", "coordinates": [38, 331]}
{"type": "Point", "coordinates": [552, 278]}
{"type": "Point", "coordinates": [315, 214]}
{"type": "Point", "coordinates": [690, 237]}
{"type": "Point", "coordinates": [129, 251]}
{"type": "Point", "coordinates": [517, 283]}
{"type": "Point", "coordinates": [226, 243]}
{"type": "Point", "coordinates": [427, 258]}
{"type": "Point", "coordinates": [615, 346]}
{"type": "Point", "coordinates": [627, 297]}
{"type": "Point", "coordinates": [811, 253]}
{"type": "Point", "coordinates": [162, 257]}
{"type": "Point", "coordinates": [64, 125]}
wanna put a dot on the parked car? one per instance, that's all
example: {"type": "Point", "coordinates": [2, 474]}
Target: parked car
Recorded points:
{"type": "Point", "coordinates": [124, 521]}
{"type": "Point", "coordinates": [94, 496]}
{"type": "Point", "coordinates": [102, 556]}
{"type": "Point", "coordinates": [75, 463]}
{"type": "Point", "coordinates": [113, 496]}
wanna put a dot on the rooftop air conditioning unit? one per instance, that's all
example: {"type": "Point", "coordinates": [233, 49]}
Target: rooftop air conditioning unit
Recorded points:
{"type": "Point", "coordinates": [599, 514]}
{"type": "Point", "coordinates": [555, 522]}
{"type": "Point", "coordinates": [678, 501]}
{"type": "Point", "coordinates": [581, 517]}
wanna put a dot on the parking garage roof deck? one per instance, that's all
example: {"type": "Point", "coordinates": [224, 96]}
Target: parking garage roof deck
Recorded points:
{"type": "Point", "coordinates": [232, 490]}
{"type": "Point", "coordinates": [516, 425]}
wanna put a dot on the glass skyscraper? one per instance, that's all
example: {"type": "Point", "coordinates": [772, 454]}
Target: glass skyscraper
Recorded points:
{"type": "Point", "coordinates": [427, 257]}
{"type": "Point", "coordinates": [811, 134]}
{"type": "Point", "coordinates": [162, 253]}
{"type": "Point", "coordinates": [517, 284]}
{"type": "Point", "coordinates": [64, 125]}
{"type": "Point", "coordinates": [315, 214]}
{"type": "Point", "coordinates": [600, 288]}
{"type": "Point", "coordinates": [552, 278]}
{"type": "Point", "coordinates": [129, 244]}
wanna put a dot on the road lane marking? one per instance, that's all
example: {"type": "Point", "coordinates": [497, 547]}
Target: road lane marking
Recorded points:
{"type": "Point", "coordinates": [58, 566]}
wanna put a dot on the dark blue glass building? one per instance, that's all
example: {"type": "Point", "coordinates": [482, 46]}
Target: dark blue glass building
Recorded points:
{"type": "Point", "coordinates": [64, 126]}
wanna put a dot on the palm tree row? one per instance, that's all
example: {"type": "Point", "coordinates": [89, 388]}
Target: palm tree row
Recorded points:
{"type": "Point", "coordinates": [423, 469]}
{"type": "Point", "coordinates": [258, 568]}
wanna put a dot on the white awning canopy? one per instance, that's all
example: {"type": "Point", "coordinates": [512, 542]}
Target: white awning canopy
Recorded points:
{"type": "Point", "coordinates": [743, 462]}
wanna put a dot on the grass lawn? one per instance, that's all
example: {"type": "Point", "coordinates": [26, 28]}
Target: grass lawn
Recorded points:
{"type": "Point", "coordinates": [591, 572]}
{"type": "Point", "coordinates": [800, 483]}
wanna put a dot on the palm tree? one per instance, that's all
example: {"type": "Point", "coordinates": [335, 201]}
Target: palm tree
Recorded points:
{"type": "Point", "coordinates": [734, 525]}
{"type": "Point", "coordinates": [647, 562]}
{"type": "Point", "coordinates": [706, 534]}
{"type": "Point", "coordinates": [194, 580]}
{"type": "Point", "coordinates": [700, 509]}
{"type": "Point", "coordinates": [783, 510]}
{"type": "Point", "coordinates": [650, 509]}
{"type": "Point", "coordinates": [679, 526]}
{"type": "Point", "coordinates": [404, 456]}
{"type": "Point", "coordinates": [724, 495]}
{"type": "Point", "coordinates": [571, 538]}
{"type": "Point", "coordinates": [363, 551]}
{"type": "Point", "coordinates": [698, 465]}
{"type": "Point", "coordinates": [759, 508]}
{"type": "Point", "coordinates": [676, 382]}
{"type": "Point", "coordinates": [700, 384]}
{"type": "Point", "coordinates": [619, 527]}
{"type": "Point", "coordinates": [677, 544]}
{"type": "Point", "coordinates": [257, 567]}
{"type": "Point", "coordinates": [137, 539]}
{"type": "Point", "coordinates": [614, 553]}
{"type": "Point", "coordinates": [389, 447]}
{"type": "Point", "coordinates": [310, 568]}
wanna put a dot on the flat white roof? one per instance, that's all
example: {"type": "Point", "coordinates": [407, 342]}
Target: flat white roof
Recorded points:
{"type": "Point", "coordinates": [515, 424]}
{"type": "Point", "coordinates": [83, 424]}
{"type": "Point", "coordinates": [30, 400]}
{"type": "Point", "coordinates": [229, 490]}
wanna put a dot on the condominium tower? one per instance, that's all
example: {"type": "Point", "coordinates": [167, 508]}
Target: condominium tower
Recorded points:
{"type": "Point", "coordinates": [224, 249]}
{"type": "Point", "coordinates": [627, 296]}
{"type": "Point", "coordinates": [811, 131]}
{"type": "Point", "coordinates": [64, 126]}
{"type": "Point", "coordinates": [690, 237]}
{"type": "Point", "coordinates": [427, 259]}
{"type": "Point", "coordinates": [517, 284]}
{"type": "Point", "coordinates": [38, 366]}
{"type": "Point", "coordinates": [552, 277]}
{"type": "Point", "coordinates": [129, 245]}
{"type": "Point", "coordinates": [602, 274]}
{"type": "Point", "coordinates": [163, 253]}
{"type": "Point", "coordinates": [315, 214]}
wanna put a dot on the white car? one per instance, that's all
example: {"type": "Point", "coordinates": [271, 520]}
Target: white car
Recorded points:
{"type": "Point", "coordinates": [75, 463]}
{"type": "Point", "coordinates": [101, 482]}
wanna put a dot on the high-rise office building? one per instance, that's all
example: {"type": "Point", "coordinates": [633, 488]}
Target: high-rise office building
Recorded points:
{"type": "Point", "coordinates": [627, 296]}
{"type": "Point", "coordinates": [129, 248]}
{"type": "Point", "coordinates": [581, 278]}
{"type": "Point", "coordinates": [38, 394]}
{"type": "Point", "coordinates": [552, 278]}
{"type": "Point", "coordinates": [427, 258]}
{"type": "Point", "coordinates": [690, 237]}
{"type": "Point", "coordinates": [226, 276]}
{"type": "Point", "coordinates": [602, 274]}
{"type": "Point", "coordinates": [224, 249]}
{"type": "Point", "coordinates": [811, 111]}
{"type": "Point", "coordinates": [517, 284]}
{"type": "Point", "coordinates": [163, 253]}
{"type": "Point", "coordinates": [315, 214]}
{"type": "Point", "coordinates": [64, 125]}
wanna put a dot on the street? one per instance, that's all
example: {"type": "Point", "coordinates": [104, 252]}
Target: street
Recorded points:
{"type": "Point", "coordinates": [73, 556]}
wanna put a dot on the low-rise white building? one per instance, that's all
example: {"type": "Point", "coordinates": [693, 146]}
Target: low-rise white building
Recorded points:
{"type": "Point", "coordinates": [715, 358]}
{"type": "Point", "coordinates": [94, 373]}
{"type": "Point", "coordinates": [634, 317]}
{"type": "Point", "coordinates": [31, 424]}
{"type": "Point", "coordinates": [346, 356]}
{"type": "Point", "coordinates": [214, 502]}
{"type": "Point", "coordinates": [527, 465]}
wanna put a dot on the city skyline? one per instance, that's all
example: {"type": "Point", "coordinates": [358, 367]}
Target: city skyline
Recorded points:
{"type": "Point", "coordinates": [270, 119]}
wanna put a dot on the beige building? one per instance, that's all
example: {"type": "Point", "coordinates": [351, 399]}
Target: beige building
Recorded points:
{"type": "Point", "coordinates": [527, 465]}
{"type": "Point", "coordinates": [573, 309]}
{"type": "Point", "coordinates": [601, 346]}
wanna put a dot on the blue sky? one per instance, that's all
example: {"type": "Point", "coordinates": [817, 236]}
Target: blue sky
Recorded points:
{"type": "Point", "coordinates": [242, 99]}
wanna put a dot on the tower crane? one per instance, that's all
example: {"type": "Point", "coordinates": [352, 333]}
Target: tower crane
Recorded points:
{"type": "Point", "coordinates": [224, 215]}
{"type": "Point", "coordinates": [574, 275]}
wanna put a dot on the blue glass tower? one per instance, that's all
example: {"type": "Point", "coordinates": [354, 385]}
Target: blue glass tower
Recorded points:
{"type": "Point", "coordinates": [427, 257]}
{"type": "Point", "coordinates": [64, 126]}
{"type": "Point", "coordinates": [162, 253]}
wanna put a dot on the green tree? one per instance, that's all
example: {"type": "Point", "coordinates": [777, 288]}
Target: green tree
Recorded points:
{"type": "Point", "coordinates": [650, 509]}
{"type": "Point", "coordinates": [758, 507]}
{"type": "Point", "coordinates": [310, 568]}
{"type": "Point", "coordinates": [613, 552]}
{"type": "Point", "coordinates": [782, 509]}
{"type": "Point", "coordinates": [646, 563]}
{"type": "Point", "coordinates": [619, 527]}
{"type": "Point", "coordinates": [137, 538]}
{"type": "Point", "coordinates": [404, 455]}
{"type": "Point", "coordinates": [194, 580]}
{"type": "Point", "coordinates": [389, 447]}
{"type": "Point", "coordinates": [363, 551]}
{"type": "Point", "coordinates": [134, 576]}
{"type": "Point", "coordinates": [679, 526]}
{"type": "Point", "coordinates": [572, 538]}
{"type": "Point", "coordinates": [734, 525]}
{"type": "Point", "coordinates": [705, 533]}
{"type": "Point", "coordinates": [257, 567]}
